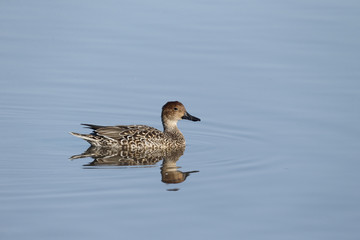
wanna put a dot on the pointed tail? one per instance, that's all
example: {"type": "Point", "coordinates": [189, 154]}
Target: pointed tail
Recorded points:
{"type": "Point", "coordinates": [93, 140]}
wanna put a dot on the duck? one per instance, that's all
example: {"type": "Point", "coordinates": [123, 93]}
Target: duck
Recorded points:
{"type": "Point", "coordinates": [142, 137]}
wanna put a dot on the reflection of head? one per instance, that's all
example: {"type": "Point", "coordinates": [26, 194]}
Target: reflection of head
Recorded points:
{"type": "Point", "coordinates": [169, 171]}
{"type": "Point", "coordinates": [172, 176]}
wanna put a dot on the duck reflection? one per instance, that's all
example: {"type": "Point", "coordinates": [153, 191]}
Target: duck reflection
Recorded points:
{"type": "Point", "coordinates": [170, 173]}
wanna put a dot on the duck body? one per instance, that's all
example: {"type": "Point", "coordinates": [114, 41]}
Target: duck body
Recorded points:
{"type": "Point", "coordinates": [138, 137]}
{"type": "Point", "coordinates": [130, 137]}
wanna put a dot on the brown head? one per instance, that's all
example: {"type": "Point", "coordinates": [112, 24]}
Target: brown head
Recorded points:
{"type": "Point", "coordinates": [173, 112]}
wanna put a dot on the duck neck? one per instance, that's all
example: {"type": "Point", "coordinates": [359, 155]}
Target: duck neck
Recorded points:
{"type": "Point", "coordinates": [171, 130]}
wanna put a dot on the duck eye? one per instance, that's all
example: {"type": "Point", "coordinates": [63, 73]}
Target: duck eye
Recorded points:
{"type": "Point", "coordinates": [175, 108]}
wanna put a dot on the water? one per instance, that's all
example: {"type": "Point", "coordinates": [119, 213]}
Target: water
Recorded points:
{"type": "Point", "coordinates": [276, 85]}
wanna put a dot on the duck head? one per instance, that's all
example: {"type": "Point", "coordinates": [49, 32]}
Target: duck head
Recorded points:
{"type": "Point", "coordinates": [175, 111]}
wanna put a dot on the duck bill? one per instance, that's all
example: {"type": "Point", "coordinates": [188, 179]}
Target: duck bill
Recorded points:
{"type": "Point", "coordinates": [190, 117]}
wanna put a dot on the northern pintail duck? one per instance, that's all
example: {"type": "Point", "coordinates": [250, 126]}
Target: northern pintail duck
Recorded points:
{"type": "Point", "coordinates": [138, 137]}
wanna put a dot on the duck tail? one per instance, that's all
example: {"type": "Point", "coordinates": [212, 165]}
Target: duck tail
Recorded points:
{"type": "Point", "coordinates": [87, 137]}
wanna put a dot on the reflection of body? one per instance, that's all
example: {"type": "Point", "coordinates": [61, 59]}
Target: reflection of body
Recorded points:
{"type": "Point", "coordinates": [115, 157]}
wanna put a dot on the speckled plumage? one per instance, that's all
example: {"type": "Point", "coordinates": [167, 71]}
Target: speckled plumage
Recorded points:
{"type": "Point", "coordinates": [137, 137]}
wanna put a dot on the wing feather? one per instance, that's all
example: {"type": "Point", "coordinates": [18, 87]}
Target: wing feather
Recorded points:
{"type": "Point", "coordinates": [124, 131]}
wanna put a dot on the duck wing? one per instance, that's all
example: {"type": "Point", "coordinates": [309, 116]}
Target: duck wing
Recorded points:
{"type": "Point", "coordinates": [125, 131]}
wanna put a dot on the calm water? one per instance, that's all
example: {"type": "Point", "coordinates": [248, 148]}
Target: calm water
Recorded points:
{"type": "Point", "coordinates": [276, 84]}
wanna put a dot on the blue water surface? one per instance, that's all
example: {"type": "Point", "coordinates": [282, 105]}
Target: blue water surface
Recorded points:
{"type": "Point", "coordinates": [275, 83]}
